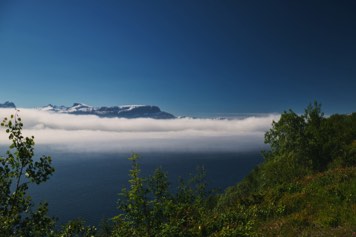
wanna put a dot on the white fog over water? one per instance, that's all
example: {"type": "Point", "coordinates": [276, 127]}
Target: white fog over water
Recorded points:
{"type": "Point", "coordinates": [89, 133]}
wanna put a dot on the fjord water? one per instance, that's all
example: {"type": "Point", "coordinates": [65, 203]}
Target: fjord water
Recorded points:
{"type": "Point", "coordinates": [87, 185]}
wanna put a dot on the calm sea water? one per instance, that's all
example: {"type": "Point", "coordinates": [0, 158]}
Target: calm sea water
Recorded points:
{"type": "Point", "coordinates": [87, 185]}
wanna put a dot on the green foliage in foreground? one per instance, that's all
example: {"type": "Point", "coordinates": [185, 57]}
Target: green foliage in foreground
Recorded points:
{"type": "Point", "coordinates": [19, 217]}
{"type": "Point", "coordinates": [150, 209]}
{"type": "Point", "coordinates": [17, 171]}
{"type": "Point", "coordinates": [305, 187]}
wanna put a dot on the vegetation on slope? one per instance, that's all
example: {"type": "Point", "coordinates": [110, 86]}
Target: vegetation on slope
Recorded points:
{"type": "Point", "coordinates": [305, 187]}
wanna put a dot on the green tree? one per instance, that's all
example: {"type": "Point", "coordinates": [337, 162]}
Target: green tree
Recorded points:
{"type": "Point", "coordinates": [307, 143]}
{"type": "Point", "coordinates": [18, 170]}
{"type": "Point", "coordinates": [133, 202]}
{"type": "Point", "coordinates": [288, 156]}
{"type": "Point", "coordinates": [76, 228]}
{"type": "Point", "coordinates": [149, 208]}
{"type": "Point", "coordinates": [298, 144]}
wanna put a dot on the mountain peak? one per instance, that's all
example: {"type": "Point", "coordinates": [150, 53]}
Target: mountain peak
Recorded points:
{"type": "Point", "coordinates": [80, 104]}
{"type": "Point", "coordinates": [8, 104]}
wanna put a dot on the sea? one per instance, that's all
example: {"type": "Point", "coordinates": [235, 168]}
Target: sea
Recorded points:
{"type": "Point", "coordinates": [86, 185]}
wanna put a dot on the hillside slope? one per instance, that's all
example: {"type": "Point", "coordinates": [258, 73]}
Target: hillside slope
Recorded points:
{"type": "Point", "coordinates": [305, 187]}
{"type": "Point", "coordinates": [322, 204]}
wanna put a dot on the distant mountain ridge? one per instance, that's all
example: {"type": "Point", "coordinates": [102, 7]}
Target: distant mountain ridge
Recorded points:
{"type": "Point", "coordinates": [124, 111]}
{"type": "Point", "coordinates": [7, 104]}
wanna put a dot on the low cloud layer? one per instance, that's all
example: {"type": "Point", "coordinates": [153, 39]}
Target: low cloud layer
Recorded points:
{"type": "Point", "coordinates": [87, 133]}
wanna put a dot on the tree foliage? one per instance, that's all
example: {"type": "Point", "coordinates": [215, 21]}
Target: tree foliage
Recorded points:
{"type": "Point", "coordinates": [307, 143]}
{"type": "Point", "coordinates": [76, 228]}
{"type": "Point", "coordinates": [149, 208]}
{"type": "Point", "coordinates": [306, 185]}
{"type": "Point", "coordinates": [18, 170]}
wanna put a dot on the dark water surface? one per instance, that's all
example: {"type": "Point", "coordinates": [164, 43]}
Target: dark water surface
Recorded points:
{"type": "Point", "coordinates": [87, 185]}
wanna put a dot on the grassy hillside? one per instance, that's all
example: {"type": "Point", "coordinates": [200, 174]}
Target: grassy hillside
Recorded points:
{"type": "Point", "coordinates": [321, 204]}
{"type": "Point", "coordinates": [305, 187]}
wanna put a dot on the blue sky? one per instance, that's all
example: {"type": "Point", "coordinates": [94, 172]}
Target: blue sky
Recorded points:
{"type": "Point", "coordinates": [188, 57]}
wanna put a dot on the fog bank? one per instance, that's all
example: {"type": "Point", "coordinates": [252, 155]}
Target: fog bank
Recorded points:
{"type": "Point", "coordinates": [88, 133]}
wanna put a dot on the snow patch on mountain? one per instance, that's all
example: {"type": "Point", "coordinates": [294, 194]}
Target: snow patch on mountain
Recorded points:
{"type": "Point", "coordinates": [124, 111]}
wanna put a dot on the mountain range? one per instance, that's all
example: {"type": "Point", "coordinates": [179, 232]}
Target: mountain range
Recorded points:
{"type": "Point", "coordinates": [125, 111]}
{"type": "Point", "coordinates": [7, 104]}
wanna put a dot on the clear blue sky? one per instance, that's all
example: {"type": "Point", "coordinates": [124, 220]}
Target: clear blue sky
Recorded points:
{"type": "Point", "coordinates": [187, 57]}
